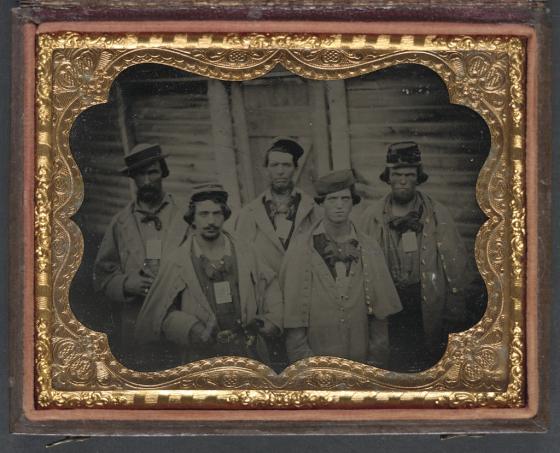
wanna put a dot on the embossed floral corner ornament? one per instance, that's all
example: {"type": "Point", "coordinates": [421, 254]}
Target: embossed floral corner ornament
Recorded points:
{"type": "Point", "coordinates": [482, 367]}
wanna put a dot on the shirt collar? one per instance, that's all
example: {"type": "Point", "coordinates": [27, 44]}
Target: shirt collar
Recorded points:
{"type": "Point", "coordinates": [197, 252]}
{"type": "Point", "coordinates": [268, 194]}
{"type": "Point", "coordinates": [320, 229]}
{"type": "Point", "coordinates": [167, 199]}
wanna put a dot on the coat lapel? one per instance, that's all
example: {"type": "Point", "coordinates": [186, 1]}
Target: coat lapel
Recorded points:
{"type": "Point", "coordinates": [189, 276]}
{"type": "Point", "coordinates": [305, 206]}
{"type": "Point", "coordinates": [321, 270]}
{"type": "Point", "coordinates": [244, 280]}
{"type": "Point", "coordinates": [133, 239]}
{"type": "Point", "coordinates": [264, 223]}
{"type": "Point", "coordinates": [176, 233]}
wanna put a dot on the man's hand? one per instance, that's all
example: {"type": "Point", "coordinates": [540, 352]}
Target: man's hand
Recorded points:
{"type": "Point", "coordinates": [137, 284]}
{"type": "Point", "coordinates": [200, 334]}
{"type": "Point", "coordinates": [266, 328]}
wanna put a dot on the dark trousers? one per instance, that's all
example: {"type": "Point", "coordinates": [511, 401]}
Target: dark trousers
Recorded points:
{"type": "Point", "coordinates": [409, 350]}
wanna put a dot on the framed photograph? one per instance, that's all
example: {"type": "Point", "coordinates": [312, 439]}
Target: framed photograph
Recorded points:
{"type": "Point", "coordinates": [222, 219]}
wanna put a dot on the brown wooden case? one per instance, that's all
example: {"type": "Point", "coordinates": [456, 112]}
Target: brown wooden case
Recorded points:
{"type": "Point", "coordinates": [37, 407]}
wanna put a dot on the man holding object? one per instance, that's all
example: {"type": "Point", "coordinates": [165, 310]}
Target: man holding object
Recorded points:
{"type": "Point", "coordinates": [128, 259]}
{"type": "Point", "coordinates": [213, 297]}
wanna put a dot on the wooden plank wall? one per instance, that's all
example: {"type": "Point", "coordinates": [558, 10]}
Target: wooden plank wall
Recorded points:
{"type": "Point", "coordinates": [176, 114]}
{"type": "Point", "coordinates": [96, 143]}
{"type": "Point", "coordinates": [278, 105]}
{"type": "Point", "coordinates": [408, 103]}
{"type": "Point", "coordinates": [174, 109]}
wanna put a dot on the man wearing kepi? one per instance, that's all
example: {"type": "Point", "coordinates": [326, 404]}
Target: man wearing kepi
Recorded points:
{"type": "Point", "coordinates": [425, 256]}
{"type": "Point", "coordinates": [127, 262]}
{"type": "Point", "coordinates": [212, 297]}
{"type": "Point", "coordinates": [338, 291]}
{"type": "Point", "coordinates": [278, 214]}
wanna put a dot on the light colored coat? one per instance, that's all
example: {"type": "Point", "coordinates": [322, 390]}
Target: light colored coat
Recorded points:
{"type": "Point", "coordinates": [254, 225]}
{"type": "Point", "coordinates": [443, 264]}
{"type": "Point", "coordinates": [259, 294]}
{"type": "Point", "coordinates": [326, 323]}
{"type": "Point", "coordinates": [122, 252]}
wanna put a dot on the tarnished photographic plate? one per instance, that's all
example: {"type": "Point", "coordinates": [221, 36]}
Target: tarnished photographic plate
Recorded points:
{"type": "Point", "coordinates": [215, 113]}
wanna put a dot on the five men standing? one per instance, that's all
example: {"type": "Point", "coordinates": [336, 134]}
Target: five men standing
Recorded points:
{"type": "Point", "coordinates": [375, 294]}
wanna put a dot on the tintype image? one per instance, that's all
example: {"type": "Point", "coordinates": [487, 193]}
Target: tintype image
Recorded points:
{"type": "Point", "coordinates": [279, 218]}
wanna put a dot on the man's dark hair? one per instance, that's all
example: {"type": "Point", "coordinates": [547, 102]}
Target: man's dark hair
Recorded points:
{"type": "Point", "coordinates": [421, 178]}
{"type": "Point", "coordinates": [294, 159]}
{"type": "Point", "coordinates": [191, 211]}
{"type": "Point", "coordinates": [162, 166]}
{"type": "Point", "coordinates": [355, 197]}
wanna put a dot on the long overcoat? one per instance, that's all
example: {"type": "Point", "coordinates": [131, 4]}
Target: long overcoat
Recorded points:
{"type": "Point", "coordinates": [335, 326]}
{"type": "Point", "coordinates": [122, 252]}
{"type": "Point", "coordinates": [443, 264]}
{"type": "Point", "coordinates": [177, 281]}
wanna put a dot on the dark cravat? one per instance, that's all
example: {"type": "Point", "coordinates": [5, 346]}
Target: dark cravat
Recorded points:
{"type": "Point", "coordinates": [408, 222]}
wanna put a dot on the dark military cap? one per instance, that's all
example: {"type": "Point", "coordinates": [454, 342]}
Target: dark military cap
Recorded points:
{"type": "Point", "coordinates": [143, 155]}
{"type": "Point", "coordinates": [334, 182]}
{"type": "Point", "coordinates": [209, 191]}
{"type": "Point", "coordinates": [404, 154]}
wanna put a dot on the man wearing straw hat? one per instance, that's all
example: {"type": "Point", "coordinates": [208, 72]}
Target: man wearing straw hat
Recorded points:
{"type": "Point", "coordinates": [138, 237]}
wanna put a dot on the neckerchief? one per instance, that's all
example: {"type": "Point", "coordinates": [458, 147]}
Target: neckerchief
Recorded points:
{"type": "Point", "coordinates": [331, 251]}
{"type": "Point", "coordinates": [408, 222]}
{"type": "Point", "coordinates": [404, 267]}
{"type": "Point", "coordinates": [288, 209]}
{"type": "Point", "coordinates": [152, 216]}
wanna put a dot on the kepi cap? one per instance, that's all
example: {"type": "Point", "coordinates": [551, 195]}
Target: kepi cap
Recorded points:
{"type": "Point", "coordinates": [208, 191]}
{"type": "Point", "coordinates": [404, 154]}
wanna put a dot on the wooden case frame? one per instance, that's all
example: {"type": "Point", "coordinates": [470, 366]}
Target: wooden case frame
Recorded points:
{"type": "Point", "coordinates": [38, 407]}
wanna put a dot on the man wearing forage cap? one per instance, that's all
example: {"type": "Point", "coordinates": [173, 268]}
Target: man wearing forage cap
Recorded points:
{"type": "Point", "coordinates": [213, 296]}
{"type": "Point", "coordinates": [425, 255]}
{"type": "Point", "coordinates": [277, 215]}
{"type": "Point", "coordinates": [338, 292]}
{"type": "Point", "coordinates": [147, 229]}
{"type": "Point", "coordinates": [281, 211]}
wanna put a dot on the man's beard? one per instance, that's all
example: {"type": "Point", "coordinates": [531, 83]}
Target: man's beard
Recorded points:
{"type": "Point", "coordinates": [282, 187]}
{"type": "Point", "coordinates": [149, 194]}
{"type": "Point", "coordinates": [403, 197]}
